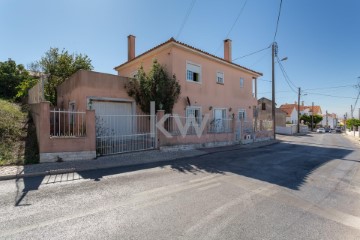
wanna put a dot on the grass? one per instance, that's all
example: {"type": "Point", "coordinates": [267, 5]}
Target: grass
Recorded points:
{"type": "Point", "coordinates": [18, 143]}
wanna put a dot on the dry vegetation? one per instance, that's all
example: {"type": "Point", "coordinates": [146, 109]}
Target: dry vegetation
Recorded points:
{"type": "Point", "coordinates": [18, 144]}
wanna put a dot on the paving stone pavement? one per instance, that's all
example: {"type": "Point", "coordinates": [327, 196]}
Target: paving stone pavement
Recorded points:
{"type": "Point", "coordinates": [119, 160]}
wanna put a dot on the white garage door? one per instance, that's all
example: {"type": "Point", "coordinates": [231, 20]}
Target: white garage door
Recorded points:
{"type": "Point", "coordinates": [113, 118]}
{"type": "Point", "coordinates": [112, 108]}
{"type": "Point", "coordinates": [119, 130]}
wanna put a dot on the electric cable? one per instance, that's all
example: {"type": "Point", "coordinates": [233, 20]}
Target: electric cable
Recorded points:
{"type": "Point", "coordinates": [186, 18]}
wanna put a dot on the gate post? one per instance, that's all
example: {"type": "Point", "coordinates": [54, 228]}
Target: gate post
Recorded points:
{"type": "Point", "coordinates": [153, 123]}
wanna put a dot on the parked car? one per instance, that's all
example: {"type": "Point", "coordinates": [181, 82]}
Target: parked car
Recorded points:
{"type": "Point", "coordinates": [320, 130]}
{"type": "Point", "coordinates": [327, 130]}
{"type": "Point", "coordinates": [338, 129]}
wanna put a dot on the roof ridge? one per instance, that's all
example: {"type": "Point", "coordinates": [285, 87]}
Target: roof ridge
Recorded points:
{"type": "Point", "coordinates": [172, 39]}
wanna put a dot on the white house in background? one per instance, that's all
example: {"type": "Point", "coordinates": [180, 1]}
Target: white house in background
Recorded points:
{"type": "Point", "coordinates": [329, 120]}
{"type": "Point", "coordinates": [291, 113]}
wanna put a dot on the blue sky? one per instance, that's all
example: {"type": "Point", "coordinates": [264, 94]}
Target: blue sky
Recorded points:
{"type": "Point", "coordinates": [320, 38]}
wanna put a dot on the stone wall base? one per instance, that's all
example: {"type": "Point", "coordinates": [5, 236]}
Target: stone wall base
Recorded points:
{"type": "Point", "coordinates": [196, 146]}
{"type": "Point", "coordinates": [67, 156]}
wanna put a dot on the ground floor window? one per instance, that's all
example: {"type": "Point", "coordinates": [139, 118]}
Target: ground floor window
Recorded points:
{"type": "Point", "coordinates": [195, 112]}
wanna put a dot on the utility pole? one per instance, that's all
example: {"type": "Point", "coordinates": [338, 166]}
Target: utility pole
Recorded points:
{"type": "Point", "coordinates": [298, 118]}
{"type": "Point", "coordinates": [326, 117]}
{"type": "Point", "coordinates": [312, 116]}
{"type": "Point", "coordinates": [274, 54]}
{"type": "Point", "coordinates": [352, 116]}
{"type": "Point", "coordinates": [345, 117]}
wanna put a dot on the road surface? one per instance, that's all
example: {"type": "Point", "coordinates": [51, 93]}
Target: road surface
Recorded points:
{"type": "Point", "coordinates": [305, 187]}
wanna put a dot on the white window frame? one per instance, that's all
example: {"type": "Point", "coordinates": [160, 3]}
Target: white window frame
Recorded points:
{"type": "Point", "coordinates": [220, 75]}
{"type": "Point", "coordinates": [242, 82]}
{"type": "Point", "coordinates": [219, 126]}
{"type": "Point", "coordinates": [192, 68]}
{"type": "Point", "coordinates": [242, 115]}
{"type": "Point", "coordinates": [197, 116]}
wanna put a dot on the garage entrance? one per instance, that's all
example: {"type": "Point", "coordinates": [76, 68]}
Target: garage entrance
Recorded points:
{"type": "Point", "coordinates": [118, 130]}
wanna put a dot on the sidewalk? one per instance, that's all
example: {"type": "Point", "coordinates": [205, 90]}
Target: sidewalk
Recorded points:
{"type": "Point", "coordinates": [119, 160]}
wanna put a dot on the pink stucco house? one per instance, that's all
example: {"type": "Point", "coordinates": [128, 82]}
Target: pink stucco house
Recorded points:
{"type": "Point", "coordinates": [209, 84]}
{"type": "Point", "coordinates": [110, 120]}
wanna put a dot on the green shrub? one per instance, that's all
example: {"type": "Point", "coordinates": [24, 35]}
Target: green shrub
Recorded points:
{"type": "Point", "coordinates": [13, 134]}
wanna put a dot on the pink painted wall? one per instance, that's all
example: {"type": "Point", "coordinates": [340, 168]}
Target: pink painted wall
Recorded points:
{"type": "Point", "coordinates": [205, 137]}
{"type": "Point", "coordinates": [41, 116]}
{"type": "Point", "coordinates": [85, 84]}
{"type": "Point", "coordinates": [208, 92]}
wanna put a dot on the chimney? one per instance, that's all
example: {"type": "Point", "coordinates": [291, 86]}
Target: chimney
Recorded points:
{"type": "Point", "coordinates": [302, 103]}
{"type": "Point", "coordinates": [227, 50]}
{"type": "Point", "coordinates": [131, 47]}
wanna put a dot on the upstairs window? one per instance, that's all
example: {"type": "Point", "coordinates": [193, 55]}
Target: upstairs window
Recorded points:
{"type": "Point", "coordinates": [220, 77]}
{"type": "Point", "coordinates": [241, 82]}
{"type": "Point", "coordinates": [193, 72]}
{"type": "Point", "coordinates": [263, 106]}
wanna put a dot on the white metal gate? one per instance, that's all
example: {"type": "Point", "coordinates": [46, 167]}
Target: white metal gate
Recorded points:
{"type": "Point", "coordinates": [124, 133]}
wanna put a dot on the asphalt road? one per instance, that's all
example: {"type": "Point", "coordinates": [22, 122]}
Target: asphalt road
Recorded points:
{"type": "Point", "coordinates": [305, 187]}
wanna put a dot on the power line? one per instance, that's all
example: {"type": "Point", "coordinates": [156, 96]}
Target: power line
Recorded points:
{"type": "Point", "coordinates": [186, 18]}
{"type": "Point", "coordinates": [259, 60]}
{"type": "Point", "coordinates": [283, 69]}
{"type": "Point", "coordinates": [286, 77]}
{"type": "Point", "coordinates": [264, 80]}
{"type": "Point", "coordinates": [329, 87]}
{"type": "Point", "coordinates": [237, 18]}
{"type": "Point", "coordinates": [276, 92]}
{"type": "Point", "coordinates": [277, 23]}
{"type": "Point", "coordinates": [252, 53]}
{"type": "Point", "coordinates": [328, 95]}
{"type": "Point", "coordinates": [233, 25]}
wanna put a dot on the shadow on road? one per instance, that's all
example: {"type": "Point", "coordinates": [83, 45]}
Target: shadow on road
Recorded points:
{"type": "Point", "coordinates": [284, 164]}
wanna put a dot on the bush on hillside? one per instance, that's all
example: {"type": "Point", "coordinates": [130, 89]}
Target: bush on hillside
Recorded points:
{"type": "Point", "coordinates": [13, 136]}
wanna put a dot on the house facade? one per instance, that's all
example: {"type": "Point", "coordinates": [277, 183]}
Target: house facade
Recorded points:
{"type": "Point", "coordinates": [95, 107]}
{"type": "Point", "coordinates": [265, 112]}
{"type": "Point", "coordinates": [329, 120]}
{"type": "Point", "coordinates": [292, 111]}
{"type": "Point", "coordinates": [209, 84]}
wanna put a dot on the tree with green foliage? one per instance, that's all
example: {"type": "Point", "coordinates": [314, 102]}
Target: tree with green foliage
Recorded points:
{"type": "Point", "coordinates": [11, 76]}
{"type": "Point", "coordinates": [307, 119]}
{"type": "Point", "coordinates": [59, 66]}
{"type": "Point", "coordinates": [156, 86]}
{"type": "Point", "coordinates": [350, 123]}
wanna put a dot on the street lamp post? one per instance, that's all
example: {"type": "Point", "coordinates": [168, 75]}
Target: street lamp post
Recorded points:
{"type": "Point", "coordinates": [274, 54]}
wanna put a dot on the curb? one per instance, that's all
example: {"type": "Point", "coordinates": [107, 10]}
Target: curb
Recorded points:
{"type": "Point", "coordinates": [72, 170]}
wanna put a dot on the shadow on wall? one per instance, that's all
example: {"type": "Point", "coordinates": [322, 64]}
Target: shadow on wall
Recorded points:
{"type": "Point", "coordinates": [286, 165]}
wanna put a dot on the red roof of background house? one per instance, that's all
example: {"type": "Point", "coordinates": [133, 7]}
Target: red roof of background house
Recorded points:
{"type": "Point", "coordinates": [191, 47]}
{"type": "Point", "coordinates": [317, 109]}
{"type": "Point", "coordinates": [289, 107]}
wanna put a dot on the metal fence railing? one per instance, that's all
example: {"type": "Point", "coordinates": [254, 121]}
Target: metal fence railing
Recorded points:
{"type": "Point", "coordinates": [124, 133]}
{"type": "Point", "coordinates": [65, 123]}
{"type": "Point", "coordinates": [220, 126]}
{"type": "Point", "coordinates": [177, 125]}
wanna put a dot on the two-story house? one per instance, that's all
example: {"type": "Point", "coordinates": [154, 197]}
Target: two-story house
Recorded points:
{"type": "Point", "coordinates": [209, 84]}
